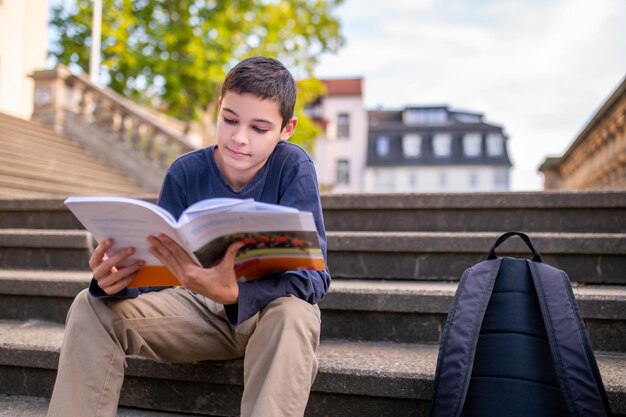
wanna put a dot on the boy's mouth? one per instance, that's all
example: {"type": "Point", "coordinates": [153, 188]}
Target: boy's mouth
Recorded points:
{"type": "Point", "coordinates": [236, 154]}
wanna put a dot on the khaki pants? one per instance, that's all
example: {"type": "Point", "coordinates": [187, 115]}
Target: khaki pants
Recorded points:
{"type": "Point", "coordinates": [175, 325]}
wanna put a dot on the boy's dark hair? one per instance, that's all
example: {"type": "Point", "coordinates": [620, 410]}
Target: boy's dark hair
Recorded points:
{"type": "Point", "coordinates": [265, 78]}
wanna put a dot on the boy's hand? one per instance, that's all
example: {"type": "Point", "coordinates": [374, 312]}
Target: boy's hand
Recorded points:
{"type": "Point", "coordinates": [219, 283]}
{"type": "Point", "coordinates": [112, 278]}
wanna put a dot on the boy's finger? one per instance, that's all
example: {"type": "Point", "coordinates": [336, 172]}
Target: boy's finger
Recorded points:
{"type": "Point", "coordinates": [108, 266]}
{"type": "Point", "coordinates": [98, 254]}
{"type": "Point", "coordinates": [118, 257]}
{"type": "Point", "coordinates": [119, 285]}
{"type": "Point", "coordinates": [170, 244]}
{"type": "Point", "coordinates": [167, 258]}
{"type": "Point", "coordinates": [232, 250]}
{"type": "Point", "coordinates": [174, 249]}
{"type": "Point", "coordinates": [120, 275]}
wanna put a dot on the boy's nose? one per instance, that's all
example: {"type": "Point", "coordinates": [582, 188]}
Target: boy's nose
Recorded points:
{"type": "Point", "coordinates": [239, 137]}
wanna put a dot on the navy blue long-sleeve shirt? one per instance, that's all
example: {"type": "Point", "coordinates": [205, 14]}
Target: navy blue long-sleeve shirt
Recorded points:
{"type": "Point", "coordinates": [288, 178]}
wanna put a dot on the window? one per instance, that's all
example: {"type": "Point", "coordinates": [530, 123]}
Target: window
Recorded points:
{"type": "Point", "coordinates": [314, 111]}
{"type": "Point", "coordinates": [442, 145]}
{"type": "Point", "coordinates": [425, 116]}
{"type": "Point", "coordinates": [411, 145]}
{"type": "Point", "coordinates": [495, 144]}
{"type": "Point", "coordinates": [343, 125]}
{"type": "Point", "coordinates": [472, 143]}
{"type": "Point", "coordinates": [343, 171]}
{"type": "Point", "coordinates": [384, 181]}
{"type": "Point", "coordinates": [382, 146]}
{"type": "Point", "coordinates": [501, 179]}
{"type": "Point", "coordinates": [443, 180]}
{"type": "Point", "coordinates": [473, 180]}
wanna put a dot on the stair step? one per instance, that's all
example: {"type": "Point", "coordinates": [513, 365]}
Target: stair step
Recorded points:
{"type": "Point", "coordinates": [42, 213]}
{"type": "Point", "coordinates": [33, 126]}
{"type": "Point", "coordinates": [27, 406]}
{"type": "Point", "coordinates": [27, 131]}
{"type": "Point", "coordinates": [416, 312]}
{"type": "Point", "coordinates": [46, 155]}
{"type": "Point", "coordinates": [45, 249]}
{"type": "Point", "coordinates": [11, 190]}
{"type": "Point", "coordinates": [66, 186]}
{"type": "Point", "coordinates": [572, 211]}
{"type": "Point", "coordinates": [36, 213]}
{"type": "Point", "coordinates": [46, 150]}
{"type": "Point", "coordinates": [25, 143]}
{"type": "Point", "coordinates": [35, 160]}
{"type": "Point", "coordinates": [396, 311]}
{"type": "Point", "coordinates": [593, 258]}
{"type": "Point", "coordinates": [355, 378]}
{"type": "Point", "coordinates": [54, 166]}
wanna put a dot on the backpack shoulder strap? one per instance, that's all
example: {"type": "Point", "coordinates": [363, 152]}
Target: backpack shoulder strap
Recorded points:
{"type": "Point", "coordinates": [460, 336]}
{"type": "Point", "coordinates": [575, 363]}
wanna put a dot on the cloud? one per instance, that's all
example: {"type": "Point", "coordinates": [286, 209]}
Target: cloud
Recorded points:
{"type": "Point", "coordinates": [540, 68]}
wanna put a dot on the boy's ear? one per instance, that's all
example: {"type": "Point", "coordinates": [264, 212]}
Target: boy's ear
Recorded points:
{"type": "Point", "coordinates": [289, 128]}
{"type": "Point", "coordinates": [219, 102]}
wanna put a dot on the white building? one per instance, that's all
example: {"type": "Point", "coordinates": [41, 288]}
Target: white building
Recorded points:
{"type": "Point", "coordinates": [339, 154]}
{"type": "Point", "coordinates": [23, 31]}
{"type": "Point", "coordinates": [435, 149]}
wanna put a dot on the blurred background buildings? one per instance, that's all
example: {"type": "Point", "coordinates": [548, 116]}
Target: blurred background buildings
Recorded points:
{"type": "Point", "coordinates": [597, 157]}
{"type": "Point", "coordinates": [416, 148]}
{"type": "Point", "coordinates": [23, 49]}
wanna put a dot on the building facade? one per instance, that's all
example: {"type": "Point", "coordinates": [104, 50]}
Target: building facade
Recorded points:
{"type": "Point", "coordinates": [597, 157]}
{"type": "Point", "coordinates": [23, 26]}
{"type": "Point", "coordinates": [339, 154]}
{"type": "Point", "coordinates": [435, 149]}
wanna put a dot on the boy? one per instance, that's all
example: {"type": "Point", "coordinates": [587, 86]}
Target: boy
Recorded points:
{"type": "Point", "coordinates": [273, 322]}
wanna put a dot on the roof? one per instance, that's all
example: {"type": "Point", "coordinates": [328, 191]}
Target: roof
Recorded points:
{"type": "Point", "coordinates": [344, 87]}
{"type": "Point", "coordinates": [391, 124]}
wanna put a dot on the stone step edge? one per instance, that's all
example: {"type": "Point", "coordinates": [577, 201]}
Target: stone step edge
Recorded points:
{"type": "Point", "coordinates": [409, 242]}
{"type": "Point", "coordinates": [476, 242]}
{"type": "Point", "coordinates": [396, 296]}
{"type": "Point", "coordinates": [595, 301]}
{"type": "Point", "coordinates": [453, 201]}
{"type": "Point", "coordinates": [58, 171]}
{"type": "Point", "coordinates": [356, 368]}
{"type": "Point", "coordinates": [379, 369]}
{"type": "Point", "coordinates": [49, 203]}
{"type": "Point", "coordinates": [476, 200]}
{"type": "Point", "coordinates": [67, 185]}
{"type": "Point", "coordinates": [19, 405]}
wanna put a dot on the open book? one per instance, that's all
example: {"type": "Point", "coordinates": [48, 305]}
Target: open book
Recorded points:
{"type": "Point", "coordinates": [277, 238]}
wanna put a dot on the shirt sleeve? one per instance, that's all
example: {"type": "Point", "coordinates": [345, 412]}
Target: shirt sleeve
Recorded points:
{"type": "Point", "coordinates": [302, 193]}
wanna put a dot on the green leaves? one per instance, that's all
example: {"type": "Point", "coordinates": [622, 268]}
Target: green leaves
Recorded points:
{"type": "Point", "coordinates": [174, 54]}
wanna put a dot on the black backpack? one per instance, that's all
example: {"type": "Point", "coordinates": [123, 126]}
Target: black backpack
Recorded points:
{"type": "Point", "coordinates": [515, 344]}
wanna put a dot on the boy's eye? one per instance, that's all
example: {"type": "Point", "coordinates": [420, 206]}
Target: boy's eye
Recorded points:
{"type": "Point", "coordinates": [260, 130]}
{"type": "Point", "coordinates": [229, 121]}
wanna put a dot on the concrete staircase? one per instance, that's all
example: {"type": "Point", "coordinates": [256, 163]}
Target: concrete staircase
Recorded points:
{"type": "Point", "coordinates": [37, 162]}
{"type": "Point", "coordinates": [395, 260]}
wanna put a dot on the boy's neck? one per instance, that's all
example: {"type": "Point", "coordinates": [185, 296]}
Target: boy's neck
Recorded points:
{"type": "Point", "coordinates": [237, 180]}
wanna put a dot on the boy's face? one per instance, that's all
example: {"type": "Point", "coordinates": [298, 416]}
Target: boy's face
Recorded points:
{"type": "Point", "coordinates": [248, 129]}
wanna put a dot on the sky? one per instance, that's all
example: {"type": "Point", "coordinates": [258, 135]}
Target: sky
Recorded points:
{"type": "Point", "coordinates": [539, 68]}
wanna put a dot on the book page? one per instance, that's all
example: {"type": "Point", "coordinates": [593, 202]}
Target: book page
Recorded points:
{"type": "Point", "coordinates": [127, 221]}
{"type": "Point", "coordinates": [214, 205]}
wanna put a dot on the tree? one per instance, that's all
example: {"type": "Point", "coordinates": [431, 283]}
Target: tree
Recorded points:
{"type": "Point", "coordinates": [173, 54]}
